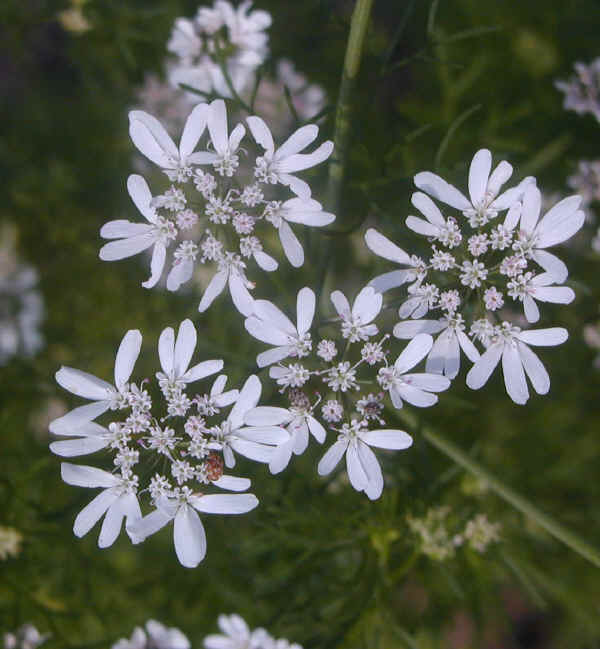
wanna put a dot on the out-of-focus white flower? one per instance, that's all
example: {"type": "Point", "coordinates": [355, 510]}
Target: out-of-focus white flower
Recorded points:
{"type": "Point", "coordinates": [155, 636]}
{"type": "Point", "coordinates": [480, 533]}
{"type": "Point", "coordinates": [25, 637]}
{"type": "Point", "coordinates": [582, 93]}
{"type": "Point", "coordinates": [10, 542]}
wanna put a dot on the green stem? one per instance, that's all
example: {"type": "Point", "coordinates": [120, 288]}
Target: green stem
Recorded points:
{"type": "Point", "coordinates": [354, 49]}
{"type": "Point", "coordinates": [527, 508]}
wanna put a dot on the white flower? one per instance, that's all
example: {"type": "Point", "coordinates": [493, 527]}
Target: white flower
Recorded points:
{"type": "Point", "coordinates": [436, 226]}
{"type": "Point", "coordinates": [383, 247]}
{"type": "Point", "coordinates": [102, 394]}
{"type": "Point", "coordinates": [363, 468]}
{"type": "Point", "coordinates": [357, 322]}
{"type": "Point", "coordinates": [25, 637]}
{"type": "Point", "coordinates": [188, 532]}
{"type": "Point", "coordinates": [89, 437]}
{"type": "Point", "coordinates": [175, 356]}
{"type": "Point", "coordinates": [211, 404]}
{"type": "Point", "coordinates": [529, 288]}
{"type": "Point", "coordinates": [133, 238]}
{"type": "Point", "coordinates": [153, 141]}
{"type": "Point", "coordinates": [156, 636]}
{"type": "Point", "coordinates": [558, 224]}
{"type": "Point", "coordinates": [417, 389]}
{"type": "Point", "coordinates": [230, 272]}
{"type": "Point", "coordinates": [246, 31]}
{"type": "Point", "coordinates": [278, 166]}
{"type": "Point", "coordinates": [117, 500]}
{"type": "Point", "coordinates": [327, 350]}
{"type": "Point", "coordinates": [493, 299]}
{"type": "Point", "coordinates": [421, 298]}
{"type": "Point", "coordinates": [236, 635]}
{"type": "Point", "coordinates": [333, 411]}
{"type": "Point", "coordinates": [484, 203]}
{"type": "Point", "coordinates": [270, 325]}
{"type": "Point", "coordinates": [294, 375]}
{"type": "Point", "coordinates": [298, 421]}
{"type": "Point", "coordinates": [254, 442]}
{"type": "Point", "coordinates": [444, 355]}
{"type": "Point", "coordinates": [341, 377]}
{"type": "Point", "coordinates": [225, 159]}
{"type": "Point", "coordinates": [296, 210]}
{"type": "Point", "coordinates": [473, 273]}
{"type": "Point", "coordinates": [511, 345]}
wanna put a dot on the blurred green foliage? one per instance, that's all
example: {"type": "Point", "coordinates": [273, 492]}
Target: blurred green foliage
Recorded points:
{"type": "Point", "coordinates": [316, 562]}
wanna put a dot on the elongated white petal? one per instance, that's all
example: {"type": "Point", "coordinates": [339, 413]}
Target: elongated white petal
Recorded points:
{"type": "Point", "coordinates": [420, 226]}
{"type": "Point", "coordinates": [551, 264]}
{"type": "Point", "coordinates": [297, 141]}
{"type": "Point", "coordinates": [482, 370]}
{"type": "Point", "coordinates": [202, 370]}
{"type": "Point", "coordinates": [232, 483]}
{"type": "Point", "coordinates": [111, 526]}
{"type": "Point", "coordinates": [217, 126]}
{"type": "Point", "coordinates": [193, 130]}
{"type": "Point", "coordinates": [561, 232]}
{"type": "Point", "coordinates": [281, 456]}
{"type": "Point", "coordinates": [555, 294]}
{"type": "Point", "coordinates": [530, 212]}
{"type": "Point", "coordinates": [512, 216]}
{"type": "Point", "coordinates": [383, 247]}
{"type": "Point", "coordinates": [393, 279]}
{"type": "Point", "coordinates": [202, 158]}
{"type": "Point", "coordinates": [226, 503]}
{"type": "Point", "coordinates": [266, 262]}
{"type": "Point", "coordinates": [341, 304]}
{"type": "Point", "coordinates": [166, 350]}
{"type": "Point", "coordinates": [511, 196]}
{"type": "Point", "coordinates": [291, 246]}
{"type": "Point", "coordinates": [267, 416]}
{"type": "Point", "coordinates": [297, 185]}
{"type": "Point", "coordinates": [93, 512]}
{"type": "Point", "coordinates": [367, 305]}
{"type": "Point", "coordinates": [514, 376]}
{"type": "Point", "coordinates": [436, 360]}
{"type": "Point", "coordinates": [268, 312]}
{"type": "Point", "coordinates": [305, 309]}
{"type": "Point", "coordinates": [356, 473]}
{"type": "Point", "coordinates": [140, 529]}
{"type": "Point", "coordinates": [428, 208]}
{"type": "Point", "coordinates": [127, 355]}
{"type": "Point", "coordinates": [396, 398]}
{"type": "Point", "coordinates": [266, 331]}
{"type": "Point", "coordinates": [429, 382]}
{"type": "Point", "coordinates": [468, 347]}
{"type": "Point", "coordinates": [253, 450]}
{"type": "Point", "coordinates": [532, 313]}
{"type": "Point", "coordinates": [316, 429]}
{"type": "Point", "coordinates": [414, 352]}
{"type": "Point", "coordinates": [544, 337]}
{"type": "Point", "coordinates": [213, 290]}
{"type": "Point", "coordinates": [226, 398]}
{"type": "Point", "coordinates": [332, 457]}
{"type": "Point", "coordinates": [240, 296]}
{"type": "Point", "coordinates": [185, 344]}
{"type": "Point", "coordinates": [141, 196]}
{"type": "Point", "coordinates": [189, 537]}
{"type": "Point", "coordinates": [562, 211]}
{"type": "Point", "coordinates": [152, 140]}
{"type": "Point", "coordinates": [301, 161]}
{"type": "Point", "coordinates": [534, 368]}
{"type": "Point", "coordinates": [78, 416]}
{"type": "Point", "coordinates": [87, 476]}
{"type": "Point", "coordinates": [395, 440]}
{"type": "Point", "coordinates": [180, 273]}
{"type": "Point", "coordinates": [157, 265]}
{"type": "Point", "coordinates": [121, 229]}
{"type": "Point", "coordinates": [263, 434]}
{"type": "Point", "coordinates": [65, 425]}
{"type": "Point", "coordinates": [498, 177]}
{"type": "Point", "coordinates": [247, 399]}
{"type": "Point", "coordinates": [83, 384]}
{"type": "Point", "coordinates": [264, 359]}
{"type": "Point", "coordinates": [416, 396]}
{"type": "Point", "coordinates": [123, 248]}
{"type": "Point", "coordinates": [372, 470]}
{"type": "Point", "coordinates": [76, 447]}
{"type": "Point", "coordinates": [261, 133]}
{"type": "Point", "coordinates": [411, 328]}
{"type": "Point", "coordinates": [438, 188]}
{"type": "Point", "coordinates": [479, 172]}
{"type": "Point", "coordinates": [236, 137]}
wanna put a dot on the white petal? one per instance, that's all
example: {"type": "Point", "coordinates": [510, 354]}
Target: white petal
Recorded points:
{"type": "Point", "coordinates": [438, 188]}
{"type": "Point", "coordinates": [535, 370]}
{"type": "Point", "coordinates": [248, 398]}
{"type": "Point", "coordinates": [316, 429]}
{"type": "Point", "coordinates": [217, 126]}
{"type": "Point", "coordinates": [267, 416]}
{"type": "Point", "coordinates": [189, 537]}
{"type": "Point", "coordinates": [498, 177]}
{"type": "Point", "coordinates": [93, 512]}
{"type": "Point", "coordinates": [87, 476]}
{"type": "Point", "coordinates": [552, 264]}
{"type": "Point", "coordinates": [243, 301]}
{"type": "Point", "coordinates": [232, 483]}
{"type": "Point", "coordinates": [555, 294]}
{"type": "Point", "coordinates": [414, 352]}
{"type": "Point", "coordinates": [305, 309]}
{"type": "Point", "coordinates": [266, 262]}
{"type": "Point", "coordinates": [291, 246]}
{"type": "Point", "coordinates": [341, 304]}
{"type": "Point", "coordinates": [383, 247]}
{"type": "Point", "coordinates": [193, 130]}
{"type": "Point", "coordinates": [261, 133]}
{"type": "Point", "coordinates": [185, 345]}
{"type": "Point", "coordinates": [479, 172]}
{"type": "Point", "coordinates": [127, 355]}
{"type": "Point", "coordinates": [78, 416]}
{"type": "Point", "coordinates": [123, 248]}
{"type": "Point", "coordinates": [111, 526]}
{"type": "Point", "coordinates": [301, 161]}
{"type": "Point", "coordinates": [372, 469]}
{"type": "Point", "coordinates": [429, 382]}
{"type": "Point", "coordinates": [514, 376]}
{"type": "Point", "coordinates": [393, 279]}
{"type": "Point", "coordinates": [410, 328]}
{"type": "Point", "coordinates": [266, 331]}
{"type": "Point", "coordinates": [141, 529]}
{"type": "Point", "coordinates": [213, 290]}
{"type": "Point", "coordinates": [81, 446]}
{"type": "Point", "coordinates": [263, 434]}
{"type": "Point", "coordinates": [83, 384]}
{"type": "Point", "coordinates": [268, 312]}
{"type": "Point", "coordinates": [367, 305]}
{"type": "Point", "coordinates": [298, 186]}
{"type": "Point", "coordinates": [180, 273]}
{"type": "Point", "coordinates": [468, 347]}
{"type": "Point", "coordinates": [166, 350]}
{"type": "Point", "coordinates": [274, 355]}
{"type": "Point", "coordinates": [122, 229]}
{"type": "Point", "coordinates": [563, 211]}
{"type": "Point", "coordinates": [436, 360]}
{"type": "Point", "coordinates": [512, 216]}
{"type": "Point", "coordinates": [420, 226]}
{"type": "Point", "coordinates": [332, 457]}
{"type": "Point", "coordinates": [152, 140]}
{"type": "Point", "coordinates": [532, 313]}
{"type": "Point", "coordinates": [226, 503]}
{"type": "Point", "coordinates": [157, 265]}
{"type": "Point", "coordinates": [356, 473]}
{"type": "Point", "coordinates": [428, 208]}
{"type": "Point", "coordinates": [65, 425]}
{"type": "Point", "coordinates": [297, 141]}
{"type": "Point", "coordinates": [236, 137]}
{"type": "Point", "coordinates": [544, 337]}
{"type": "Point", "coordinates": [483, 368]}
{"type": "Point", "coordinates": [395, 440]}
{"type": "Point", "coordinates": [396, 398]}
{"type": "Point", "coordinates": [202, 370]}
{"type": "Point", "coordinates": [530, 212]}
{"type": "Point", "coordinates": [141, 196]}
{"type": "Point", "coordinates": [253, 450]}
{"type": "Point", "coordinates": [416, 396]}
{"type": "Point", "coordinates": [281, 456]}
{"type": "Point", "coordinates": [561, 231]}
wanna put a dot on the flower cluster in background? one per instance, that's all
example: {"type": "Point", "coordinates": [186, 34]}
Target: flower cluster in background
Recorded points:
{"type": "Point", "coordinates": [154, 636]}
{"type": "Point", "coordinates": [21, 303]}
{"type": "Point", "coordinates": [215, 206]}
{"type": "Point", "coordinates": [478, 266]}
{"type": "Point", "coordinates": [10, 542]}
{"type": "Point", "coordinates": [582, 91]}
{"type": "Point", "coordinates": [235, 634]}
{"type": "Point", "coordinates": [25, 637]}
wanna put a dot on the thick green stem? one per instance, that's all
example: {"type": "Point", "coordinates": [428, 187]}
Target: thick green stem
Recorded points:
{"type": "Point", "coordinates": [527, 508]}
{"type": "Point", "coordinates": [354, 49]}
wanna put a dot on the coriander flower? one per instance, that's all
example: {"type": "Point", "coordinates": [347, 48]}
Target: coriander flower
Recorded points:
{"type": "Point", "coordinates": [237, 635]}
{"type": "Point", "coordinates": [417, 388]}
{"type": "Point", "coordinates": [225, 159]}
{"type": "Point", "coordinates": [357, 322]}
{"type": "Point", "coordinates": [231, 272]}
{"type": "Point", "coordinates": [511, 345]}
{"type": "Point", "coordinates": [156, 636]}
{"type": "Point", "coordinates": [528, 288]}
{"type": "Point", "coordinates": [117, 500]}
{"type": "Point", "coordinates": [270, 325]}
{"type": "Point", "coordinates": [279, 165]}
{"type": "Point", "coordinates": [363, 468]}
{"type": "Point", "coordinates": [102, 394]}
{"type": "Point", "coordinates": [89, 437]}
{"type": "Point", "coordinates": [484, 202]}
